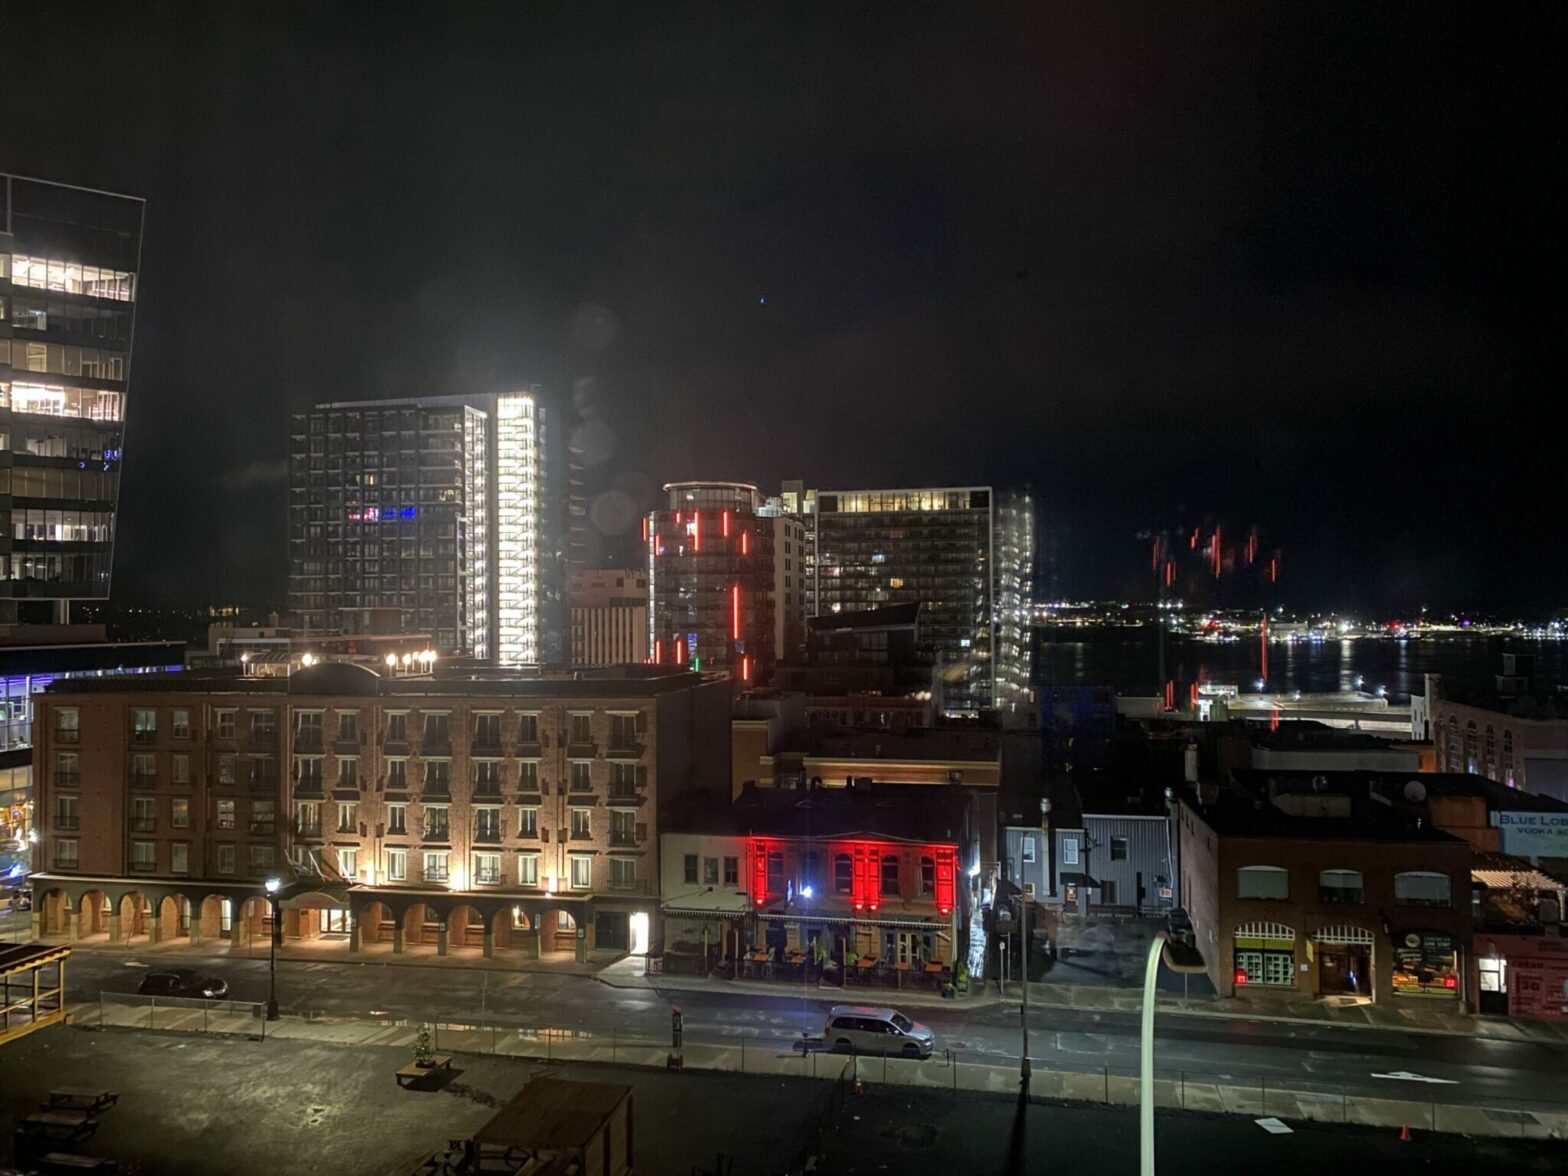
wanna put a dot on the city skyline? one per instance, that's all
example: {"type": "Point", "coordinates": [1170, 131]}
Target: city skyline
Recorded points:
{"type": "Point", "coordinates": [1010, 268]}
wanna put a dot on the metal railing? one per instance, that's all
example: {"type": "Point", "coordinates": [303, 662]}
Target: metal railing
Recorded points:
{"type": "Point", "coordinates": [176, 1014]}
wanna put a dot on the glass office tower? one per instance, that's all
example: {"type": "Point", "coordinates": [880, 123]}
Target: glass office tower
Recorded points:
{"type": "Point", "coordinates": [439, 510]}
{"type": "Point", "coordinates": [965, 554]}
{"type": "Point", "coordinates": [69, 259]}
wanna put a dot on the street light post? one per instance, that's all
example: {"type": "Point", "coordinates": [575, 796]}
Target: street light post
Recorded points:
{"type": "Point", "coordinates": [273, 885]}
{"type": "Point", "coordinates": [1180, 956]}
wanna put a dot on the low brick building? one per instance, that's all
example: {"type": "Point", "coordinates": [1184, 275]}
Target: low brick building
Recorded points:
{"type": "Point", "coordinates": [1322, 895]}
{"type": "Point", "coordinates": [495, 813]}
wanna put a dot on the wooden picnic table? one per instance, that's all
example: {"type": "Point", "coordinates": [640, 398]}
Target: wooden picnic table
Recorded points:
{"type": "Point", "coordinates": [414, 1072]}
{"type": "Point", "coordinates": [935, 966]}
{"type": "Point", "coordinates": [80, 1098]}
{"type": "Point", "coordinates": [71, 1126]}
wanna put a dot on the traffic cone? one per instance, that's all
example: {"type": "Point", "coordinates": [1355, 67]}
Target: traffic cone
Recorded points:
{"type": "Point", "coordinates": [1404, 1133]}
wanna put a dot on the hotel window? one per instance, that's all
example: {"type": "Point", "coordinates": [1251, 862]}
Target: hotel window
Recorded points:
{"type": "Point", "coordinates": [843, 874]}
{"type": "Point", "coordinates": [438, 776]}
{"type": "Point", "coordinates": [582, 775]}
{"type": "Point", "coordinates": [65, 853]}
{"type": "Point", "coordinates": [309, 819]}
{"type": "Point", "coordinates": [487, 778]}
{"type": "Point", "coordinates": [224, 728]}
{"type": "Point", "coordinates": [1422, 888]}
{"type": "Point", "coordinates": [582, 871]}
{"type": "Point", "coordinates": [67, 769]}
{"type": "Point", "coordinates": [144, 767]}
{"type": "Point", "coordinates": [397, 727]}
{"type": "Point", "coordinates": [66, 815]}
{"type": "Point", "coordinates": [528, 776]}
{"type": "Point", "coordinates": [487, 824]}
{"type": "Point", "coordinates": [348, 817]}
{"type": "Point", "coordinates": [623, 780]}
{"type": "Point", "coordinates": [436, 822]}
{"type": "Point", "coordinates": [528, 869]}
{"type": "Point", "coordinates": [528, 729]}
{"type": "Point", "coordinates": [225, 818]}
{"type": "Point", "coordinates": [623, 873]}
{"type": "Point", "coordinates": [580, 823]}
{"type": "Point", "coordinates": [262, 817]}
{"type": "Point", "coordinates": [487, 868]}
{"type": "Point", "coordinates": [397, 865]}
{"type": "Point", "coordinates": [1269, 882]}
{"type": "Point", "coordinates": [262, 857]}
{"type": "Point", "coordinates": [348, 862]}
{"type": "Point", "coordinates": [180, 724]}
{"type": "Point", "coordinates": [1340, 886]}
{"type": "Point", "coordinates": [180, 768]}
{"type": "Point", "coordinates": [348, 727]}
{"type": "Point", "coordinates": [179, 858]}
{"type": "Point", "coordinates": [731, 871]}
{"type": "Point", "coordinates": [397, 818]}
{"type": "Point", "coordinates": [927, 877]}
{"type": "Point", "coordinates": [144, 817]}
{"type": "Point", "coordinates": [710, 871]}
{"type": "Point", "coordinates": [889, 874]}
{"type": "Point", "coordinates": [67, 724]}
{"type": "Point", "coordinates": [623, 731]}
{"type": "Point", "coordinates": [775, 872]}
{"type": "Point", "coordinates": [1118, 849]}
{"type": "Point", "coordinates": [180, 813]}
{"type": "Point", "coordinates": [144, 856]}
{"type": "Point", "coordinates": [144, 726]}
{"type": "Point", "coordinates": [348, 773]}
{"type": "Point", "coordinates": [528, 822]}
{"type": "Point", "coordinates": [689, 869]}
{"type": "Point", "coordinates": [226, 769]}
{"type": "Point", "coordinates": [397, 775]}
{"type": "Point", "coordinates": [581, 729]}
{"type": "Point", "coordinates": [1069, 851]}
{"type": "Point", "coordinates": [225, 859]}
{"type": "Point", "coordinates": [435, 866]}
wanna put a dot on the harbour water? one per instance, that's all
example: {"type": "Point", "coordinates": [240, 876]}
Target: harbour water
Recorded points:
{"type": "Point", "coordinates": [1127, 659]}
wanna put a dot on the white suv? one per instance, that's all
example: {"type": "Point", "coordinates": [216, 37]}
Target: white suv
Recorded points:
{"type": "Point", "coordinates": [870, 1030]}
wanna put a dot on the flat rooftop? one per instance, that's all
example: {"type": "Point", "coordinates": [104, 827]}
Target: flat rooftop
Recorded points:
{"type": "Point", "coordinates": [1235, 817]}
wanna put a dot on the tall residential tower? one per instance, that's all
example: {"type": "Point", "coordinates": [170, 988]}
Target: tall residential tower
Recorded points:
{"type": "Point", "coordinates": [438, 513]}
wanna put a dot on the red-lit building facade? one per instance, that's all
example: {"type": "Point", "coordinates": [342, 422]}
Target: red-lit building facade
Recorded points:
{"type": "Point", "coordinates": [725, 581]}
{"type": "Point", "coordinates": [865, 873]}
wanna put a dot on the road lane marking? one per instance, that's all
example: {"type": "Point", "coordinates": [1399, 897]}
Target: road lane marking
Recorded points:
{"type": "Point", "coordinates": [1407, 1076]}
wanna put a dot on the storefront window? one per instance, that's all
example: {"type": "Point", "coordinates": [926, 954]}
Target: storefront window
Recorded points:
{"type": "Point", "coordinates": [1266, 967]}
{"type": "Point", "coordinates": [1425, 965]}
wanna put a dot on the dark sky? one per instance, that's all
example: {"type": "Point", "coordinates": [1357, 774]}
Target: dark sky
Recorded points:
{"type": "Point", "coordinates": [1297, 266]}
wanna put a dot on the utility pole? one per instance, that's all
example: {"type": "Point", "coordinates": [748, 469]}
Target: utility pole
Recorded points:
{"type": "Point", "coordinates": [1023, 1009]}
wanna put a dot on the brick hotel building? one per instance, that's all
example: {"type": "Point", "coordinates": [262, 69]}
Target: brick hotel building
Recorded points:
{"type": "Point", "coordinates": [505, 814]}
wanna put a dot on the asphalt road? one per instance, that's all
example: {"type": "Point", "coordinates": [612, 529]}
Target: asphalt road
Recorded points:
{"type": "Point", "coordinates": [1472, 1070]}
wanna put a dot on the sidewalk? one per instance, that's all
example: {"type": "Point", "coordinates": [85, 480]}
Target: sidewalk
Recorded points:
{"type": "Point", "coordinates": [780, 1057]}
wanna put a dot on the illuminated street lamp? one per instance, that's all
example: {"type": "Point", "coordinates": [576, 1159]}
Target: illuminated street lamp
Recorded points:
{"type": "Point", "coordinates": [273, 885]}
{"type": "Point", "coordinates": [392, 662]}
{"type": "Point", "coordinates": [1179, 955]}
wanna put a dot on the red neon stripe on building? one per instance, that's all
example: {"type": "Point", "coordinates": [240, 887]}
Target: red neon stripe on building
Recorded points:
{"type": "Point", "coordinates": [946, 872]}
{"type": "Point", "coordinates": [696, 530]}
{"type": "Point", "coordinates": [726, 524]}
{"type": "Point", "coordinates": [745, 542]}
{"type": "Point", "coordinates": [680, 652]}
{"type": "Point", "coordinates": [658, 653]}
{"type": "Point", "coordinates": [735, 612]}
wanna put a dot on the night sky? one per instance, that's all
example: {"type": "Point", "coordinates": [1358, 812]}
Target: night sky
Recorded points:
{"type": "Point", "coordinates": [1293, 266]}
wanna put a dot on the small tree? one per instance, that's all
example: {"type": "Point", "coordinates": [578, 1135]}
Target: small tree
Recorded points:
{"type": "Point", "coordinates": [423, 1054]}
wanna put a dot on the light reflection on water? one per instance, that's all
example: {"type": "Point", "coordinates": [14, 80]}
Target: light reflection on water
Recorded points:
{"type": "Point", "coordinates": [1127, 660]}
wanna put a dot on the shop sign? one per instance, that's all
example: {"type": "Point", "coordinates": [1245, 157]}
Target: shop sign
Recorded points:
{"type": "Point", "coordinates": [1538, 987]}
{"type": "Point", "coordinates": [1424, 964]}
{"type": "Point", "coordinates": [1534, 834]}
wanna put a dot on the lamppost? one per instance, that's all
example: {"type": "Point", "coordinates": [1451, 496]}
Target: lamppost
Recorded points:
{"type": "Point", "coordinates": [1179, 955]}
{"type": "Point", "coordinates": [273, 885]}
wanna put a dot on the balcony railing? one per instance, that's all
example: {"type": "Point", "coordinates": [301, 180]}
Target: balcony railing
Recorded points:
{"type": "Point", "coordinates": [143, 867]}
{"type": "Point", "coordinates": [630, 885]}
{"type": "Point", "coordinates": [395, 744]}
{"type": "Point", "coordinates": [143, 824]}
{"type": "Point", "coordinates": [262, 828]}
{"type": "Point", "coordinates": [486, 747]}
{"type": "Point", "coordinates": [625, 748]}
{"type": "Point", "coordinates": [437, 833]}
{"type": "Point", "coordinates": [487, 877]}
{"type": "Point", "coordinates": [587, 749]}
{"type": "Point", "coordinates": [488, 835]}
{"type": "Point", "coordinates": [308, 741]}
{"type": "Point", "coordinates": [67, 779]}
{"type": "Point", "coordinates": [71, 822]}
{"type": "Point", "coordinates": [620, 840]}
{"type": "Point", "coordinates": [262, 740]}
{"type": "Point", "coordinates": [345, 746]}
{"type": "Point", "coordinates": [67, 735]}
{"type": "Point", "coordinates": [144, 736]}
{"type": "Point", "coordinates": [529, 749]}
{"type": "Point", "coordinates": [144, 780]}
{"type": "Point", "coordinates": [307, 828]}
{"type": "Point", "coordinates": [487, 790]}
{"type": "Point", "coordinates": [1340, 894]}
{"type": "Point", "coordinates": [435, 875]}
{"type": "Point", "coordinates": [67, 863]}
{"type": "Point", "coordinates": [623, 795]}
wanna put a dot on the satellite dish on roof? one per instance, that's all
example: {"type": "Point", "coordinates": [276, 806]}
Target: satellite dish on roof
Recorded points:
{"type": "Point", "coordinates": [1415, 792]}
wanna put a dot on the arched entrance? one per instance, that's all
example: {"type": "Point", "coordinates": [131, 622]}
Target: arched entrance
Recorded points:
{"type": "Point", "coordinates": [512, 932]}
{"type": "Point", "coordinates": [317, 917]}
{"type": "Point", "coordinates": [253, 925]}
{"type": "Point", "coordinates": [53, 911]}
{"type": "Point", "coordinates": [215, 918]}
{"type": "Point", "coordinates": [174, 918]}
{"type": "Point", "coordinates": [93, 914]}
{"type": "Point", "coordinates": [135, 917]}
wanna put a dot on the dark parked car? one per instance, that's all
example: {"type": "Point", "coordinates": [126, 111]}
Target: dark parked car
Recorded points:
{"type": "Point", "coordinates": [183, 982]}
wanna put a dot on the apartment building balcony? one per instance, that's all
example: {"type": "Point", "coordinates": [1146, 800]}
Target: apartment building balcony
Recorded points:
{"type": "Point", "coordinates": [144, 738]}
{"type": "Point", "coordinates": [441, 833]}
{"type": "Point", "coordinates": [486, 748]}
{"type": "Point", "coordinates": [435, 746]}
{"type": "Point", "coordinates": [625, 749]}
{"type": "Point", "coordinates": [528, 749]}
{"type": "Point", "coordinates": [628, 795]}
{"type": "Point", "coordinates": [620, 839]}
{"type": "Point", "coordinates": [488, 836]}
{"type": "Point", "coordinates": [308, 743]}
{"type": "Point", "coordinates": [576, 750]}
{"type": "Point", "coordinates": [308, 829]}
{"type": "Point", "coordinates": [346, 747]}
